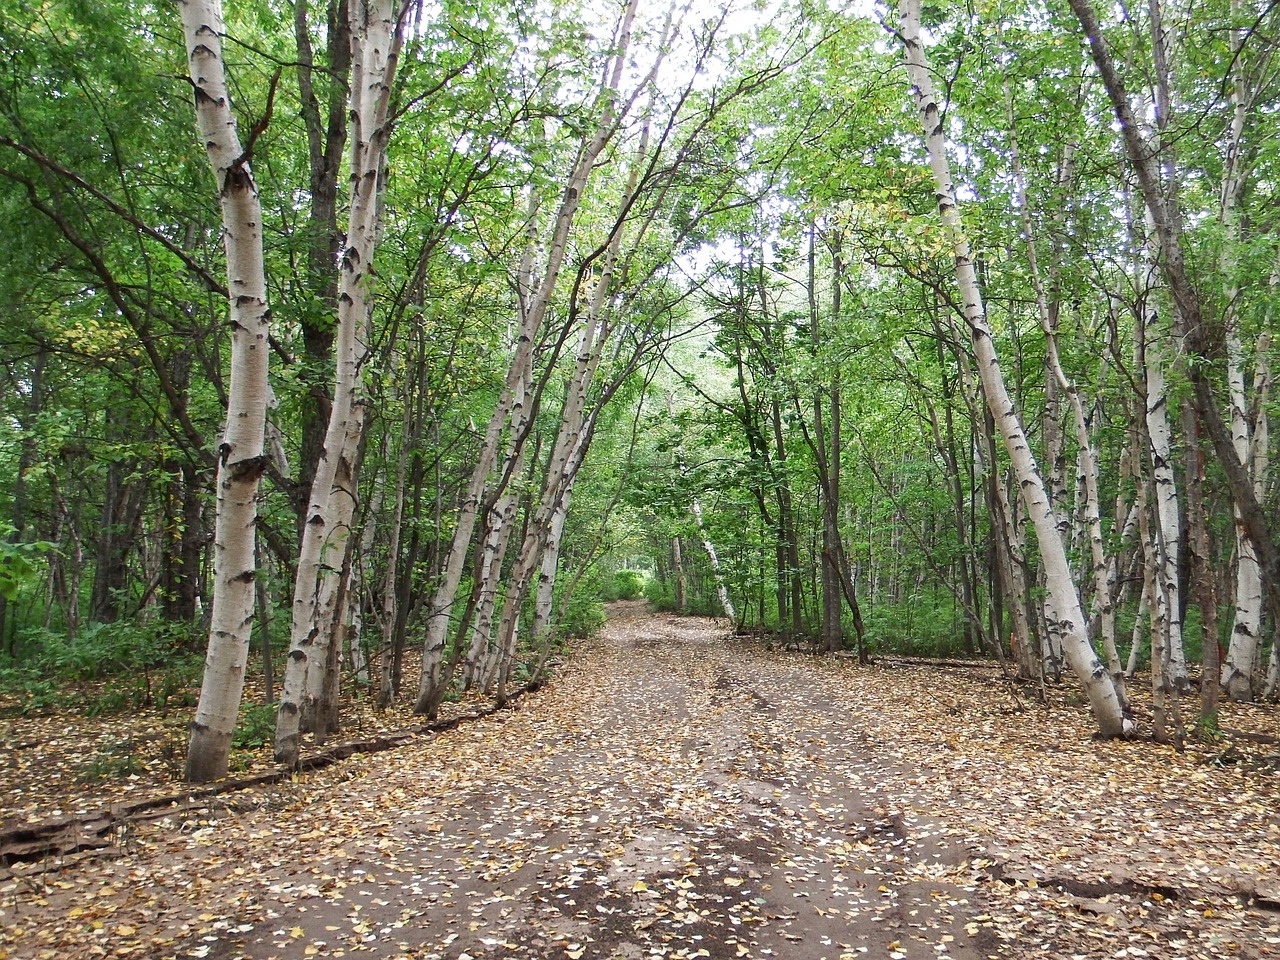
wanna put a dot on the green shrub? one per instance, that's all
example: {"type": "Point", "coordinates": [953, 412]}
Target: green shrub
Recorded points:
{"type": "Point", "coordinates": [112, 762]}
{"type": "Point", "coordinates": [582, 617]}
{"type": "Point", "coordinates": [255, 727]}
{"type": "Point", "coordinates": [627, 585]}
{"type": "Point", "coordinates": [922, 625]}
{"type": "Point", "coordinates": [661, 595]}
{"type": "Point", "coordinates": [30, 692]}
{"type": "Point", "coordinates": [103, 650]}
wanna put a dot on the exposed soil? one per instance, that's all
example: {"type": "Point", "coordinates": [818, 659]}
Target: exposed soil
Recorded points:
{"type": "Point", "coordinates": [676, 792]}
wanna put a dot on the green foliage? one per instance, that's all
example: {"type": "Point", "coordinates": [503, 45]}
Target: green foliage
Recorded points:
{"type": "Point", "coordinates": [26, 692]}
{"type": "Point", "coordinates": [114, 761]}
{"type": "Point", "coordinates": [256, 726]}
{"type": "Point", "coordinates": [662, 595]}
{"type": "Point", "coordinates": [583, 617]}
{"type": "Point", "coordinates": [922, 625]}
{"type": "Point", "coordinates": [104, 669]}
{"type": "Point", "coordinates": [626, 585]}
{"type": "Point", "coordinates": [103, 650]}
{"type": "Point", "coordinates": [20, 566]}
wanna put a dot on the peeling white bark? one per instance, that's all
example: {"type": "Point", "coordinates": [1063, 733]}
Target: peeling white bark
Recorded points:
{"type": "Point", "coordinates": [1070, 620]}
{"type": "Point", "coordinates": [376, 37]}
{"type": "Point", "coordinates": [240, 455]}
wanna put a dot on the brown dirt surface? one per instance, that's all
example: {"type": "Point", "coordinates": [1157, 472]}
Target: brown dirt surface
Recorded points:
{"type": "Point", "coordinates": [676, 792]}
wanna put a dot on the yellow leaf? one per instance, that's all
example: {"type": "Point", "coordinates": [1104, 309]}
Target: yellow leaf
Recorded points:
{"type": "Point", "coordinates": [296, 932]}
{"type": "Point", "coordinates": [639, 887]}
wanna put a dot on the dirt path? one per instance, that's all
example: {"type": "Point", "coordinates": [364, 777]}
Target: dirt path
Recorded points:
{"type": "Point", "coordinates": [673, 794]}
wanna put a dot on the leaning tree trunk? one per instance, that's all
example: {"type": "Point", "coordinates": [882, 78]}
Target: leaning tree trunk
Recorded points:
{"type": "Point", "coordinates": [1103, 605]}
{"type": "Point", "coordinates": [240, 455]}
{"type": "Point", "coordinates": [532, 309]}
{"type": "Point", "coordinates": [1198, 336]}
{"type": "Point", "coordinates": [318, 591]}
{"type": "Point", "coordinates": [1070, 618]}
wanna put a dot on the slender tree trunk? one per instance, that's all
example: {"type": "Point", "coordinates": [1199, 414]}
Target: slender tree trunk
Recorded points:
{"type": "Point", "coordinates": [1087, 488]}
{"type": "Point", "coordinates": [532, 308]}
{"type": "Point", "coordinates": [1202, 573]}
{"type": "Point", "coordinates": [677, 569]}
{"type": "Point", "coordinates": [240, 455]}
{"type": "Point", "coordinates": [1198, 335]}
{"type": "Point", "coordinates": [324, 115]}
{"type": "Point", "coordinates": [323, 561]}
{"type": "Point", "coordinates": [1238, 671]}
{"type": "Point", "coordinates": [1066, 604]}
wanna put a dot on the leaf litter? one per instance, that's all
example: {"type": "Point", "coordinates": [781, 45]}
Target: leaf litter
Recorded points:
{"type": "Point", "coordinates": [677, 793]}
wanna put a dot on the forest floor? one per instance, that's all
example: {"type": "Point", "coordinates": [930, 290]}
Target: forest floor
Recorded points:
{"type": "Point", "coordinates": [678, 793]}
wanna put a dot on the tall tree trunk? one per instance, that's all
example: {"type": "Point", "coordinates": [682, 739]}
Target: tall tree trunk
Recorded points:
{"type": "Point", "coordinates": [240, 454]}
{"type": "Point", "coordinates": [1199, 336]}
{"type": "Point", "coordinates": [324, 115]}
{"type": "Point", "coordinates": [507, 428]}
{"type": "Point", "coordinates": [1201, 569]}
{"type": "Point", "coordinates": [1238, 671]}
{"type": "Point", "coordinates": [1087, 488]}
{"type": "Point", "coordinates": [827, 450]}
{"type": "Point", "coordinates": [319, 591]}
{"type": "Point", "coordinates": [677, 571]}
{"type": "Point", "coordinates": [1066, 604]}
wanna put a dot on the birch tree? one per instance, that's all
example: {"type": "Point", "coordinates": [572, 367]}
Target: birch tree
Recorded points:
{"type": "Point", "coordinates": [1065, 601]}
{"type": "Point", "coordinates": [376, 32]}
{"type": "Point", "coordinates": [240, 454]}
{"type": "Point", "coordinates": [1188, 306]}
{"type": "Point", "coordinates": [506, 429]}
{"type": "Point", "coordinates": [1239, 677]}
{"type": "Point", "coordinates": [1103, 601]}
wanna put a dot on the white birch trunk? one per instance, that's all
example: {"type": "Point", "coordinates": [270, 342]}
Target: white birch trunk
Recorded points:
{"type": "Point", "coordinates": [375, 45]}
{"type": "Point", "coordinates": [1067, 612]}
{"type": "Point", "coordinates": [1261, 453]}
{"type": "Point", "coordinates": [1167, 603]}
{"type": "Point", "coordinates": [722, 589]}
{"type": "Point", "coordinates": [567, 454]}
{"type": "Point", "coordinates": [240, 455]}
{"type": "Point", "coordinates": [1238, 668]}
{"type": "Point", "coordinates": [1089, 507]}
{"type": "Point", "coordinates": [475, 669]}
{"type": "Point", "coordinates": [545, 594]}
{"type": "Point", "coordinates": [533, 308]}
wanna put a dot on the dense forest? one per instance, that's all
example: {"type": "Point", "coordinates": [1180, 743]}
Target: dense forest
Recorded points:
{"type": "Point", "coordinates": [372, 345]}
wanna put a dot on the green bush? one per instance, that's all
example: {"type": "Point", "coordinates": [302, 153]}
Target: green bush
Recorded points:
{"type": "Point", "coordinates": [582, 618]}
{"type": "Point", "coordinates": [103, 650]}
{"type": "Point", "coordinates": [627, 585]}
{"type": "Point", "coordinates": [255, 727]}
{"type": "Point", "coordinates": [922, 625]}
{"type": "Point", "coordinates": [661, 595]}
{"type": "Point", "coordinates": [30, 692]}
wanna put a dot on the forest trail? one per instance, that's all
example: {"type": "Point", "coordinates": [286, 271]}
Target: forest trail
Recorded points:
{"type": "Point", "coordinates": [674, 793]}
